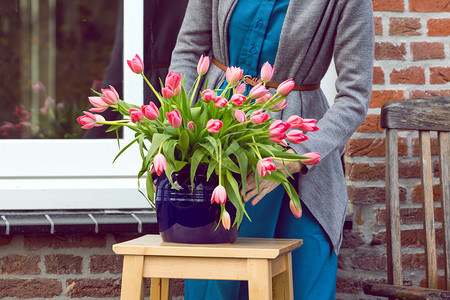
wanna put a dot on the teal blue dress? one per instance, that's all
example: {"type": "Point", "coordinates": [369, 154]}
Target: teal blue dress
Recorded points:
{"type": "Point", "coordinates": [254, 33]}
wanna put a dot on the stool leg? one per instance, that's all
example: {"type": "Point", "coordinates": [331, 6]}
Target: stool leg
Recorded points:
{"type": "Point", "coordinates": [132, 278]}
{"type": "Point", "coordinates": [259, 279]}
{"type": "Point", "coordinates": [160, 289]}
{"type": "Point", "coordinates": [282, 283]}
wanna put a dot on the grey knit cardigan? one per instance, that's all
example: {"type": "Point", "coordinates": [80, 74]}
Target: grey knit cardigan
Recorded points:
{"type": "Point", "coordinates": [313, 32]}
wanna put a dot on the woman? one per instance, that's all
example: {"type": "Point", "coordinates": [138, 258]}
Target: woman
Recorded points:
{"type": "Point", "coordinates": [299, 38]}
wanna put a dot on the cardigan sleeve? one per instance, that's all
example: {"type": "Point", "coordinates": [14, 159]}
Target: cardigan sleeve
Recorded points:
{"type": "Point", "coordinates": [194, 39]}
{"type": "Point", "coordinates": [353, 56]}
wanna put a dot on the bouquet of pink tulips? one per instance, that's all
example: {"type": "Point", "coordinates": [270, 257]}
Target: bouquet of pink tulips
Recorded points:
{"type": "Point", "coordinates": [225, 129]}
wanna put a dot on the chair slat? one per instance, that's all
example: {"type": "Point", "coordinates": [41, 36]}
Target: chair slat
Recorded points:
{"type": "Point", "coordinates": [393, 231]}
{"type": "Point", "coordinates": [444, 163]}
{"type": "Point", "coordinates": [428, 208]}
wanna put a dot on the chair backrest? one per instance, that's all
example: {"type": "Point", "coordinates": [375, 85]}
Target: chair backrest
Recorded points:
{"type": "Point", "coordinates": [422, 115]}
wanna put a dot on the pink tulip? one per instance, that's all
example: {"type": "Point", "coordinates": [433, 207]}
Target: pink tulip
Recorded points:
{"type": "Point", "coordinates": [136, 65]}
{"type": "Point", "coordinates": [285, 87]}
{"type": "Point", "coordinates": [226, 220]}
{"type": "Point", "coordinates": [150, 111]}
{"type": "Point", "coordinates": [136, 115]}
{"type": "Point", "coordinates": [303, 124]}
{"type": "Point", "coordinates": [173, 80]}
{"type": "Point", "coordinates": [279, 126]}
{"type": "Point", "coordinates": [257, 91]}
{"type": "Point", "coordinates": [203, 65]}
{"type": "Point", "coordinates": [296, 136]}
{"type": "Point", "coordinates": [296, 210]}
{"type": "Point", "coordinates": [50, 102]}
{"type": "Point", "coordinates": [277, 137]}
{"type": "Point", "coordinates": [258, 117]}
{"type": "Point", "coordinates": [159, 163]}
{"type": "Point", "coordinates": [220, 102]}
{"type": "Point", "coordinates": [238, 99]}
{"type": "Point", "coordinates": [313, 159]}
{"type": "Point", "coordinates": [266, 72]}
{"type": "Point", "coordinates": [214, 126]}
{"type": "Point", "coordinates": [167, 92]}
{"type": "Point", "coordinates": [177, 90]}
{"type": "Point", "coordinates": [38, 87]}
{"type": "Point", "coordinates": [110, 96]}
{"type": "Point", "coordinates": [90, 120]}
{"type": "Point", "coordinates": [191, 126]}
{"type": "Point", "coordinates": [219, 195]}
{"type": "Point", "coordinates": [266, 166]}
{"type": "Point", "coordinates": [266, 97]}
{"type": "Point", "coordinates": [208, 95]}
{"type": "Point", "coordinates": [97, 102]}
{"type": "Point", "coordinates": [174, 118]}
{"type": "Point", "coordinates": [240, 88]}
{"type": "Point", "coordinates": [240, 116]}
{"type": "Point", "coordinates": [234, 75]}
{"type": "Point", "coordinates": [283, 143]}
{"type": "Point", "coordinates": [280, 106]}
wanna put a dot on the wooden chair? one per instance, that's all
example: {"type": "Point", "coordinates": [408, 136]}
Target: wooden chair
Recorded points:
{"type": "Point", "coordinates": [260, 261]}
{"type": "Point", "coordinates": [422, 115]}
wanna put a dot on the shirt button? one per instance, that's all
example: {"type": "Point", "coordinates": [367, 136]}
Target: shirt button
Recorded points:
{"type": "Point", "coordinates": [253, 50]}
{"type": "Point", "coordinates": [260, 23]}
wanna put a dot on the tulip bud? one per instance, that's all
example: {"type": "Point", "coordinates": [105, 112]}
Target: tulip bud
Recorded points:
{"type": "Point", "coordinates": [266, 97]}
{"type": "Point", "coordinates": [173, 80]}
{"type": "Point", "coordinates": [226, 220]}
{"type": "Point", "coordinates": [257, 91]}
{"type": "Point", "coordinates": [208, 95]}
{"type": "Point", "coordinates": [296, 210]}
{"type": "Point", "coordinates": [313, 159]}
{"type": "Point", "coordinates": [266, 72]}
{"type": "Point", "coordinates": [174, 118]}
{"type": "Point", "coordinates": [191, 126]}
{"type": "Point", "coordinates": [90, 120]}
{"type": "Point", "coordinates": [266, 166]}
{"type": "Point", "coordinates": [136, 65]}
{"type": "Point", "coordinates": [203, 65]}
{"type": "Point", "coordinates": [240, 116]}
{"type": "Point", "coordinates": [258, 117]}
{"type": "Point", "coordinates": [136, 115]}
{"type": "Point", "coordinates": [240, 88]}
{"type": "Point", "coordinates": [167, 92]}
{"type": "Point", "coordinates": [296, 136]}
{"type": "Point", "coordinates": [150, 111]}
{"type": "Point", "coordinates": [214, 126]}
{"type": "Point", "coordinates": [97, 102]}
{"type": "Point", "coordinates": [285, 87]}
{"type": "Point", "coordinates": [219, 195]}
{"type": "Point", "coordinates": [277, 137]}
{"type": "Point", "coordinates": [220, 102]}
{"type": "Point", "coordinates": [279, 126]}
{"type": "Point", "coordinates": [234, 75]}
{"type": "Point", "coordinates": [280, 106]}
{"type": "Point", "coordinates": [159, 163]}
{"type": "Point", "coordinates": [238, 99]}
{"type": "Point", "coordinates": [110, 96]}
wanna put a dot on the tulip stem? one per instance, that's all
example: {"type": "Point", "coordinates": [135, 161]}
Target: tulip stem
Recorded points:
{"type": "Point", "coordinates": [153, 89]}
{"type": "Point", "coordinates": [237, 125]}
{"type": "Point", "coordinates": [252, 135]}
{"type": "Point", "coordinates": [197, 81]}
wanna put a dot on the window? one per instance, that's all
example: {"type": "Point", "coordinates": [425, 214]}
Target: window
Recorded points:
{"type": "Point", "coordinates": [52, 51]}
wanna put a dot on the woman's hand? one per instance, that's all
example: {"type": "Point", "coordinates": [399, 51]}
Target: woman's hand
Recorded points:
{"type": "Point", "coordinates": [266, 186]}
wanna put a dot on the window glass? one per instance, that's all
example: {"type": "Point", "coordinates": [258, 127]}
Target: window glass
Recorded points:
{"type": "Point", "coordinates": [51, 53]}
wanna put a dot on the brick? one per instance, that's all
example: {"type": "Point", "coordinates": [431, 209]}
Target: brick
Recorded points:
{"type": "Point", "coordinates": [407, 216]}
{"type": "Point", "coordinates": [427, 50]}
{"type": "Point", "coordinates": [440, 75]}
{"type": "Point", "coordinates": [373, 147]}
{"type": "Point", "coordinates": [63, 264]}
{"type": "Point", "coordinates": [354, 284]}
{"type": "Point", "coordinates": [416, 193]}
{"type": "Point", "coordinates": [416, 146]}
{"type": "Point", "coordinates": [378, 76]}
{"type": "Point", "coordinates": [342, 257]}
{"type": "Point", "coordinates": [405, 26]}
{"type": "Point", "coordinates": [371, 124]}
{"type": "Point", "coordinates": [389, 51]}
{"type": "Point", "coordinates": [96, 288]}
{"type": "Point", "coordinates": [20, 264]}
{"type": "Point", "coordinates": [30, 288]}
{"type": "Point", "coordinates": [429, 93]}
{"type": "Point", "coordinates": [388, 5]}
{"type": "Point", "coordinates": [371, 195]}
{"type": "Point", "coordinates": [411, 238]}
{"type": "Point", "coordinates": [365, 171]}
{"type": "Point", "coordinates": [178, 287]}
{"type": "Point", "coordinates": [370, 261]}
{"type": "Point", "coordinates": [5, 240]}
{"type": "Point", "coordinates": [412, 75]}
{"type": "Point", "coordinates": [409, 169]}
{"type": "Point", "coordinates": [438, 27]}
{"type": "Point", "coordinates": [380, 97]}
{"type": "Point", "coordinates": [429, 6]}
{"type": "Point", "coordinates": [106, 263]}
{"type": "Point", "coordinates": [352, 239]}
{"type": "Point", "coordinates": [123, 237]}
{"type": "Point", "coordinates": [378, 23]}
{"type": "Point", "coordinates": [441, 282]}
{"type": "Point", "coordinates": [34, 242]}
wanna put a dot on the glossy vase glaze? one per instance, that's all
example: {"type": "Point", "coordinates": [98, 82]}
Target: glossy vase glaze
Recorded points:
{"type": "Point", "coordinates": [190, 217]}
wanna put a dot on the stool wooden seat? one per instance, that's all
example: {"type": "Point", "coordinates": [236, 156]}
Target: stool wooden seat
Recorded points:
{"type": "Point", "coordinates": [259, 261]}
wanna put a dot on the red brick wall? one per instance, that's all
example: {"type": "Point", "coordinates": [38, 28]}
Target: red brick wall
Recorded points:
{"type": "Point", "coordinates": [412, 55]}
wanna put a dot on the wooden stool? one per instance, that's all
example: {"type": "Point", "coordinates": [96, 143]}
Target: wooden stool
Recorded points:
{"type": "Point", "coordinates": [256, 260]}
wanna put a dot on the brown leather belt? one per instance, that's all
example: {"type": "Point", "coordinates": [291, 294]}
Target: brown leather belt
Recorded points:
{"type": "Point", "coordinates": [255, 80]}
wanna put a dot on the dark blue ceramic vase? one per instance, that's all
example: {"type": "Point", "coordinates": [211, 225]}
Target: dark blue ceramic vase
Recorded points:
{"type": "Point", "coordinates": [190, 217]}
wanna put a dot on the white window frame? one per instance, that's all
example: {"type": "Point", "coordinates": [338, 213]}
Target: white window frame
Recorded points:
{"type": "Point", "coordinates": [78, 174]}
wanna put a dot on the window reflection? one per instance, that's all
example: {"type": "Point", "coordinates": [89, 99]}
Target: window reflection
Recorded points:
{"type": "Point", "coordinates": [51, 53]}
